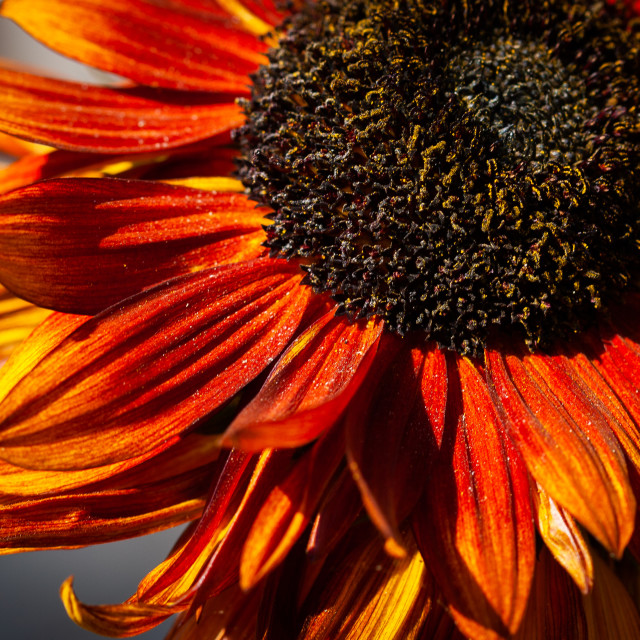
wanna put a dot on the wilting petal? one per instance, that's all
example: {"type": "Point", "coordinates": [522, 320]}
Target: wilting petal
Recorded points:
{"type": "Point", "coordinates": [161, 46]}
{"type": "Point", "coordinates": [476, 526]}
{"type": "Point", "coordinates": [564, 434]}
{"type": "Point", "coordinates": [364, 593]}
{"type": "Point", "coordinates": [139, 374]}
{"type": "Point", "coordinates": [287, 510]}
{"type": "Point", "coordinates": [310, 385]}
{"type": "Point", "coordinates": [78, 117]}
{"type": "Point", "coordinates": [391, 435]}
{"type": "Point", "coordinates": [119, 620]}
{"type": "Point", "coordinates": [555, 609]}
{"type": "Point", "coordinates": [81, 245]}
{"type": "Point", "coordinates": [564, 539]}
{"type": "Point", "coordinates": [609, 609]}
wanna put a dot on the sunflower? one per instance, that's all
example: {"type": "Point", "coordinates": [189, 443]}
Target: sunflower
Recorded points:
{"type": "Point", "coordinates": [349, 286]}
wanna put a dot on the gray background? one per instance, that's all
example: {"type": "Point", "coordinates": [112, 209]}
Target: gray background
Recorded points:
{"type": "Point", "coordinates": [30, 608]}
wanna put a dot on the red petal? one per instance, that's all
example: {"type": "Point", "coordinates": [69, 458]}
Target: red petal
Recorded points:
{"type": "Point", "coordinates": [391, 438]}
{"type": "Point", "coordinates": [139, 374]}
{"type": "Point", "coordinates": [617, 359]}
{"type": "Point", "coordinates": [555, 609]}
{"type": "Point", "coordinates": [564, 434]}
{"type": "Point", "coordinates": [309, 387]}
{"type": "Point", "coordinates": [608, 386]}
{"type": "Point", "coordinates": [152, 44]}
{"type": "Point", "coordinates": [80, 245]}
{"type": "Point", "coordinates": [288, 509]}
{"type": "Point", "coordinates": [336, 514]}
{"type": "Point", "coordinates": [476, 527]}
{"type": "Point", "coordinates": [609, 609]}
{"type": "Point", "coordinates": [79, 117]}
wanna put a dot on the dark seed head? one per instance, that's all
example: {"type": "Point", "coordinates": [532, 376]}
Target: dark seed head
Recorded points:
{"type": "Point", "coordinates": [453, 167]}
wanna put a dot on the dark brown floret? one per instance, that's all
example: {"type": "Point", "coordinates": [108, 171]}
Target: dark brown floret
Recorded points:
{"type": "Point", "coordinates": [453, 167]}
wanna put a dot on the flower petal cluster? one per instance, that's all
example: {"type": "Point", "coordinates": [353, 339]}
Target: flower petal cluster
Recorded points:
{"type": "Point", "coordinates": [340, 481]}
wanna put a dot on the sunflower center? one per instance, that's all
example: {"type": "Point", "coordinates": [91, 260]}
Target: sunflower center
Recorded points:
{"type": "Point", "coordinates": [456, 168]}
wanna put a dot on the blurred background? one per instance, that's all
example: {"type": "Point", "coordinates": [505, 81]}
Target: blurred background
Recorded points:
{"type": "Point", "coordinates": [30, 608]}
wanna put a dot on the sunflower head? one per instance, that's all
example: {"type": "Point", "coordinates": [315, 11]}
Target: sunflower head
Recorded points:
{"type": "Point", "coordinates": [453, 168]}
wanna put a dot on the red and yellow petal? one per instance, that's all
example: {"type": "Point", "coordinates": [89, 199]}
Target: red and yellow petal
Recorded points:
{"type": "Point", "coordinates": [310, 385]}
{"type": "Point", "coordinates": [242, 482]}
{"type": "Point", "coordinates": [475, 526]}
{"type": "Point", "coordinates": [80, 245]}
{"type": "Point", "coordinates": [364, 593]}
{"type": "Point", "coordinates": [18, 318]}
{"type": "Point", "coordinates": [565, 436]}
{"type": "Point", "coordinates": [78, 117]}
{"type": "Point", "coordinates": [161, 45]}
{"type": "Point", "coordinates": [144, 372]}
{"type": "Point", "coordinates": [288, 509]}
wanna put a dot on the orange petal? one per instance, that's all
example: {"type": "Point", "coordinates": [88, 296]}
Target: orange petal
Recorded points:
{"type": "Point", "coordinates": [564, 539]}
{"type": "Point", "coordinates": [288, 509]}
{"type": "Point", "coordinates": [476, 527]}
{"type": "Point", "coordinates": [17, 481]}
{"type": "Point", "coordinates": [117, 621]}
{"type": "Point", "coordinates": [564, 434]}
{"type": "Point", "coordinates": [139, 374]}
{"type": "Point", "coordinates": [609, 609]}
{"type": "Point", "coordinates": [309, 387]}
{"type": "Point", "coordinates": [164, 46]}
{"type": "Point", "coordinates": [80, 245]}
{"type": "Point", "coordinates": [391, 439]}
{"type": "Point", "coordinates": [555, 609]}
{"type": "Point", "coordinates": [75, 116]}
{"type": "Point", "coordinates": [104, 516]}
{"type": "Point", "coordinates": [365, 594]}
